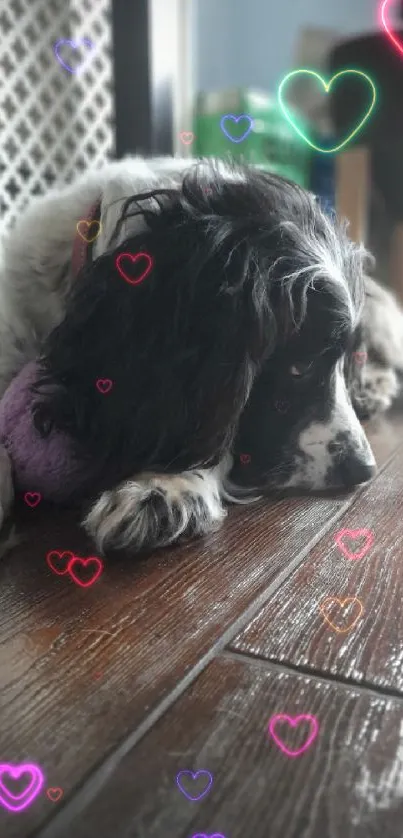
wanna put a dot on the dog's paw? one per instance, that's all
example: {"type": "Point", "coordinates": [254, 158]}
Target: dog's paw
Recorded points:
{"type": "Point", "coordinates": [375, 391]}
{"type": "Point", "coordinates": [155, 510]}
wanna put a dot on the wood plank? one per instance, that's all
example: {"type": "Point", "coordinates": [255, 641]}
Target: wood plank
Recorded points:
{"type": "Point", "coordinates": [69, 694]}
{"type": "Point", "coordinates": [347, 783]}
{"type": "Point", "coordinates": [292, 628]}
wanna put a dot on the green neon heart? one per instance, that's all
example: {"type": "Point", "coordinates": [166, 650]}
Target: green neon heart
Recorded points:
{"type": "Point", "coordinates": [327, 86]}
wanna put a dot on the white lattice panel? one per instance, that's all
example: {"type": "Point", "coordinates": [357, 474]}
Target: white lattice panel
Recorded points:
{"type": "Point", "coordinates": [53, 123]}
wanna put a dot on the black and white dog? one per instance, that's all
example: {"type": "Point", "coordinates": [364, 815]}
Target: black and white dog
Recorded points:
{"type": "Point", "coordinates": [234, 364]}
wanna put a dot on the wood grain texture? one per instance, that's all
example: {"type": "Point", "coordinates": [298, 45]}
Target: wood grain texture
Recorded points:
{"type": "Point", "coordinates": [348, 783]}
{"type": "Point", "coordinates": [291, 627]}
{"type": "Point", "coordinates": [81, 669]}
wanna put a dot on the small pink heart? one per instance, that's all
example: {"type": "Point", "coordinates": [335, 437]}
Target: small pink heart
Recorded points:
{"type": "Point", "coordinates": [133, 259]}
{"type": "Point", "coordinates": [104, 385]}
{"type": "Point", "coordinates": [341, 537]}
{"type": "Point", "coordinates": [360, 357]}
{"type": "Point", "coordinates": [294, 721]}
{"type": "Point", "coordinates": [32, 499]}
{"type": "Point", "coordinates": [245, 459]}
{"type": "Point", "coordinates": [76, 564]}
{"type": "Point", "coordinates": [54, 794]}
{"type": "Point", "coordinates": [59, 561]}
{"type": "Point", "coordinates": [187, 137]}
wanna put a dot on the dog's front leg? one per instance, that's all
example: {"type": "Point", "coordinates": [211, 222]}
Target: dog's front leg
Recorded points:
{"type": "Point", "coordinates": [154, 510]}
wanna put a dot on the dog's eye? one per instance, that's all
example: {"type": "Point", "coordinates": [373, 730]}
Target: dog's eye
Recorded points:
{"type": "Point", "coordinates": [299, 370]}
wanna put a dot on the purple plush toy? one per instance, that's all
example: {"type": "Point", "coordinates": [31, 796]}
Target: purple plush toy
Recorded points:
{"type": "Point", "coordinates": [45, 466]}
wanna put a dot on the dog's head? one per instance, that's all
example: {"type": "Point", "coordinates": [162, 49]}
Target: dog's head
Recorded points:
{"type": "Point", "coordinates": [252, 302]}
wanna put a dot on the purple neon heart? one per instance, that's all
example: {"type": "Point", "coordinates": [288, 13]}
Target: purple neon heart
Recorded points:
{"type": "Point", "coordinates": [194, 775]}
{"type": "Point", "coordinates": [13, 802]}
{"type": "Point", "coordinates": [204, 835]}
{"type": "Point", "coordinates": [74, 45]}
{"type": "Point", "coordinates": [236, 119]}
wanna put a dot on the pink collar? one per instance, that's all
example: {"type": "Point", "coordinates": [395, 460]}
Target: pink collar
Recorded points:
{"type": "Point", "coordinates": [84, 239]}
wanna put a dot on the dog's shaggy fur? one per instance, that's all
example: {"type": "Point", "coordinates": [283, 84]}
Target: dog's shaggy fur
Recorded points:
{"type": "Point", "coordinates": [233, 364]}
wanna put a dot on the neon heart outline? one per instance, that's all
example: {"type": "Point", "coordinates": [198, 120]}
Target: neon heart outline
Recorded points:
{"type": "Point", "coordinates": [398, 44]}
{"type": "Point", "coordinates": [60, 554]}
{"type": "Point", "coordinates": [245, 459]}
{"type": "Point", "coordinates": [85, 562]}
{"type": "Point", "coordinates": [327, 86]}
{"type": "Point", "coordinates": [29, 794]}
{"type": "Point", "coordinates": [89, 224]}
{"type": "Point", "coordinates": [236, 118]}
{"type": "Point", "coordinates": [342, 603]}
{"type": "Point", "coordinates": [293, 720]}
{"type": "Point", "coordinates": [134, 259]}
{"type": "Point", "coordinates": [99, 383]}
{"type": "Point", "coordinates": [360, 357]}
{"type": "Point", "coordinates": [57, 789]}
{"type": "Point", "coordinates": [353, 534]}
{"type": "Point", "coordinates": [187, 133]}
{"type": "Point", "coordinates": [74, 45]}
{"type": "Point", "coordinates": [32, 505]}
{"type": "Point", "coordinates": [194, 774]}
{"type": "Point", "coordinates": [209, 835]}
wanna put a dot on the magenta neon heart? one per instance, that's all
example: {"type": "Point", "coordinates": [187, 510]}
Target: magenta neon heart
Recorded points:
{"type": "Point", "coordinates": [341, 536]}
{"type": "Point", "coordinates": [236, 119]}
{"type": "Point", "coordinates": [194, 775]}
{"type": "Point", "coordinates": [294, 722]}
{"type": "Point", "coordinates": [16, 803]}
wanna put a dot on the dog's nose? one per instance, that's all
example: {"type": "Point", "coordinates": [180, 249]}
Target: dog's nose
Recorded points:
{"type": "Point", "coordinates": [354, 471]}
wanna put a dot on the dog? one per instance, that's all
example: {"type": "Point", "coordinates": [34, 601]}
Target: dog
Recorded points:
{"type": "Point", "coordinates": [234, 362]}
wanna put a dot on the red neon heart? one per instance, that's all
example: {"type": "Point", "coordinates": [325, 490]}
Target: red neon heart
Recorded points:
{"type": "Point", "coordinates": [32, 499]}
{"type": "Point", "coordinates": [54, 794]}
{"type": "Point", "coordinates": [187, 137]}
{"type": "Point", "coordinates": [245, 459]}
{"type": "Point", "coordinates": [134, 259]}
{"type": "Point", "coordinates": [354, 534]}
{"type": "Point", "coordinates": [77, 562]}
{"type": "Point", "coordinates": [65, 557]}
{"type": "Point", "coordinates": [395, 40]}
{"type": "Point", "coordinates": [104, 385]}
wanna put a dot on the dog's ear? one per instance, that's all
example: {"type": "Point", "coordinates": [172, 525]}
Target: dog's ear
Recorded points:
{"type": "Point", "coordinates": [180, 345]}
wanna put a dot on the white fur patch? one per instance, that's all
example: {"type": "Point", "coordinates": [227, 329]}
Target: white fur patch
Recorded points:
{"type": "Point", "coordinates": [127, 517]}
{"type": "Point", "coordinates": [317, 461]}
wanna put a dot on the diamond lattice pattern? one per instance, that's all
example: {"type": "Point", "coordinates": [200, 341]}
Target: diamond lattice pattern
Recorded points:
{"type": "Point", "coordinates": [53, 123]}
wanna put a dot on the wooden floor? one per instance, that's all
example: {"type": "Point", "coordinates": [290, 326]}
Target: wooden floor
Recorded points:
{"type": "Point", "coordinates": [184, 662]}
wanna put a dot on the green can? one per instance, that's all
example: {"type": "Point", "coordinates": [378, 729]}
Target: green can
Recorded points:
{"type": "Point", "coordinates": [250, 126]}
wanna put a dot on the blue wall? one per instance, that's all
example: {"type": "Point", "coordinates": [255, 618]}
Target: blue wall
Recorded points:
{"type": "Point", "coordinates": [252, 42]}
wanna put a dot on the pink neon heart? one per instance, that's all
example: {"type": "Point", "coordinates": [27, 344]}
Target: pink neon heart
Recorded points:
{"type": "Point", "coordinates": [245, 459]}
{"type": "Point", "coordinates": [104, 385]}
{"type": "Point", "coordinates": [134, 259]}
{"type": "Point", "coordinates": [32, 499]}
{"type": "Point", "coordinates": [54, 794]}
{"type": "Point", "coordinates": [354, 534]}
{"type": "Point", "coordinates": [13, 802]}
{"type": "Point", "coordinates": [391, 35]}
{"type": "Point", "coordinates": [294, 722]}
{"type": "Point", "coordinates": [78, 563]}
{"type": "Point", "coordinates": [360, 357]}
{"type": "Point", "coordinates": [187, 137]}
{"type": "Point", "coordinates": [66, 556]}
